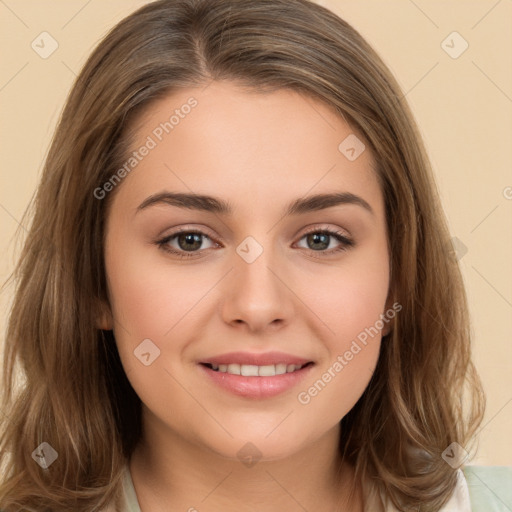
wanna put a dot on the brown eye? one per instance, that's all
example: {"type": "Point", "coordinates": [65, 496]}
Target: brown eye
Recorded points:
{"type": "Point", "coordinates": [189, 241]}
{"type": "Point", "coordinates": [185, 243]}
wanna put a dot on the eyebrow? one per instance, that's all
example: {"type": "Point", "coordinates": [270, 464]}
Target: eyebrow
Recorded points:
{"type": "Point", "coordinates": [216, 205]}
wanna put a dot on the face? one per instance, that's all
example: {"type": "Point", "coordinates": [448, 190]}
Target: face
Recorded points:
{"type": "Point", "coordinates": [253, 315]}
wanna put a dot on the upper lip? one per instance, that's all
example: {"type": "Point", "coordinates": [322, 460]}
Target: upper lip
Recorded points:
{"type": "Point", "coordinates": [263, 359]}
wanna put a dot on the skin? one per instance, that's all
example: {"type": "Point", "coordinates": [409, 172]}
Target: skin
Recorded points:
{"type": "Point", "coordinates": [259, 151]}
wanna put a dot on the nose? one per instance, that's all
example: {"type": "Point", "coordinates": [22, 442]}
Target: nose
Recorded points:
{"type": "Point", "coordinates": [257, 296]}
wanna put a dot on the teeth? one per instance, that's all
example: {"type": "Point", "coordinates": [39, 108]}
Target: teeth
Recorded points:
{"type": "Point", "coordinates": [280, 369]}
{"type": "Point", "coordinates": [267, 371]}
{"type": "Point", "coordinates": [234, 369]}
{"type": "Point", "coordinates": [251, 370]}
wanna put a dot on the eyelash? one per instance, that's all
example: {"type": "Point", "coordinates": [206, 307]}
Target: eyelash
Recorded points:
{"type": "Point", "coordinates": [345, 242]}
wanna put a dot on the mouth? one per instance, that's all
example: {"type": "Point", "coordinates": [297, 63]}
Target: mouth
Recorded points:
{"type": "Point", "coordinates": [256, 376]}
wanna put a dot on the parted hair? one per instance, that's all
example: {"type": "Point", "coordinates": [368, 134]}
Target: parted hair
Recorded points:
{"type": "Point", "coordinates": [63, 382]}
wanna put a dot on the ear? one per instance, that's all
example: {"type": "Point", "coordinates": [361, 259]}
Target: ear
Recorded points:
{"type": "Point", "coordinates": [104, 319]}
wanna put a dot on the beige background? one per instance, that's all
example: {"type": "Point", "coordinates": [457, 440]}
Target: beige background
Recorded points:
{"type": "Point", "coordinates": [463, 107]}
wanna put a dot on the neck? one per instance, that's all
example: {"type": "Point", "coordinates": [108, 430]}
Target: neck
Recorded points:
{"type": "Point", "coordinates": [171, 473]}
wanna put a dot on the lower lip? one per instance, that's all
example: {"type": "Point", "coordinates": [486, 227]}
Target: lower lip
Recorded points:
{"type": "Point", "coordinates": [257, 387]}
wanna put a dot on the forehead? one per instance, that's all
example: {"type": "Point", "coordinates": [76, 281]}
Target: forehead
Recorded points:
{"type": "Point", "coordinates": [249, 146]}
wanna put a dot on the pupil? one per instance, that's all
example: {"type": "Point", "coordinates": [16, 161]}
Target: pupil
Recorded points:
{"type": "Point", "coordinates": [190, 238]}
{"type": "Point", "coordinates": [321, 238]}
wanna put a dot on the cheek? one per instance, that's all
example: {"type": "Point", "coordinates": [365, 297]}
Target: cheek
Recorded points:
{"type": "Point", "coordinates": [350, 297]}
{"type": "Point", "coordinates": [350, 303]}
{"type": "Point", "coordinates": [149, 298]}
{"type": "Point", "coordinates": [355, 306]}
{"type": "Point", "coordinates": [152, 301]}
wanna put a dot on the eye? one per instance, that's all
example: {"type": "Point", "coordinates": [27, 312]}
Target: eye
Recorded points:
{"type": "Point", "coordinates": [318, 240]}
{"type": "Point", "coordinates": [185, 243]}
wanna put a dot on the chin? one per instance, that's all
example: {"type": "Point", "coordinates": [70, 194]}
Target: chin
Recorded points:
{"type": "Point", "coordinates": [254, 442]}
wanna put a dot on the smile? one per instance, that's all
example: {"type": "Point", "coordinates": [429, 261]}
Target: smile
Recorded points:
{"type": "Point", "coordinates": [256, 376]}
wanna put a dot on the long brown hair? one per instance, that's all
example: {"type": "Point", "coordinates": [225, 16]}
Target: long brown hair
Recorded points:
{"type": "Point", "coordinates": [63, 380]}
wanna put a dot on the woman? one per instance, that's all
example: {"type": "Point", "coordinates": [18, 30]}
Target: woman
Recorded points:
{"type": "Point", "coordinates": [238, 289]}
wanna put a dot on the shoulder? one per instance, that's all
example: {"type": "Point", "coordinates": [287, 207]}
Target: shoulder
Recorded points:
{"type": "Point", "coordinates": [478, 489]}
{"type": "Point", "coordinates": [490, 488]}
